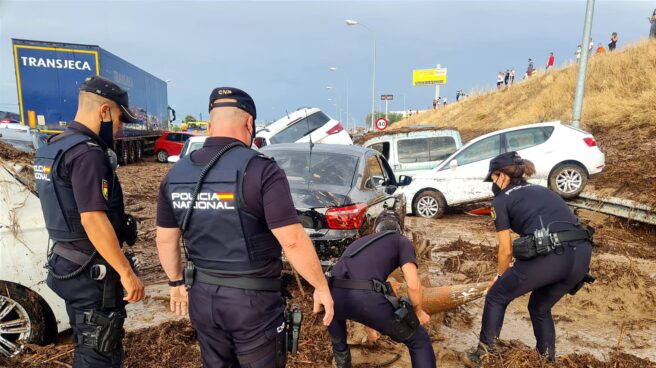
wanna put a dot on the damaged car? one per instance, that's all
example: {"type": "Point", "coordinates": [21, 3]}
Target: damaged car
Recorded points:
{"type": "Point", "coordinates": [340, 192]}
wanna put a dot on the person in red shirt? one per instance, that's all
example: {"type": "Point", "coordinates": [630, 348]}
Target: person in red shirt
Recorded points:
{"type": "Point", "coordinates": [550, 63]}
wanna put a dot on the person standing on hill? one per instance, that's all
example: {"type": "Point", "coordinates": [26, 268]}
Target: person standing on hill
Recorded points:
{"type": "Point", "coordinates": [530, 69]}
{"type": "Point", "coordinates": [445, 101]}
{"type": "Point", "coordinates": [601, 50]}
{"type": "Point", "coordinates": [512, 75]}
{"type": "Point", "coordinates": [506, 77]}
{"type": "Point", "coordinates": [613, 42]}
{"type": "Point", "coordinates": [578, 53]}
{"type": "Point", "coordinates": [550, 62]}
{"type": "Point", "coordinates": [499, 80]}
{"type": "Point", "coordinates": [590, 47]}
{"type": "Point", "coordinates": [652, 30]}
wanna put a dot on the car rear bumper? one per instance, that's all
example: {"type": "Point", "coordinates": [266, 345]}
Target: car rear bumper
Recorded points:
{"type": "Point", "coordinates": [595, 163]}
{"type": "Point", "coordinates": [330, 244]}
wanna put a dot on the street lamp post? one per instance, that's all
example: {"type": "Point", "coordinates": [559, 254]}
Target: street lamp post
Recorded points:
{"type": "Point", "coordinates": [351, 22]}
{"type": "Point", "coordinates": [334, 69]}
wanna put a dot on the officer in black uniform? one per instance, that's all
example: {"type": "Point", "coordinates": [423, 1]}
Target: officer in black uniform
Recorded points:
{"type": "Point", "coordinates": [82, 204]}
{"type": "Point", "coordinates": [233, 208]}
{"type": "Point", "coordinates": [551, 257]}
{"type": "Point", "coordinates": [361, 293]}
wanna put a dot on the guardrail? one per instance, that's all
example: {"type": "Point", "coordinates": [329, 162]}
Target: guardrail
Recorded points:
{"type": "Point", "coordinates": [616, 207]}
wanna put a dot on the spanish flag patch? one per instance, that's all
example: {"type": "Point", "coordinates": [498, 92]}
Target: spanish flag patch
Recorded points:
{"type": "Point", "coordinates": [224, 196]}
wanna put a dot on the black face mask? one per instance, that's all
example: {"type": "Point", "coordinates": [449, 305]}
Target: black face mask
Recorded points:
{"type": "Point", "coordinates": [496, 189]}
{"type": "Point", "coordinates": [106, 132]}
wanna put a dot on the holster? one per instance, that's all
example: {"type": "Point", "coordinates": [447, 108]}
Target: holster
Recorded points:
{"type": "Point", "coordinates": [130, 229]}
{"type": "Point", "coordinates": [293, 322]}
{"type": "Point", "coordinates": [106, 333]}
{"type": "Point", "coordinates": [524, 248]}
{"type": "Point", "coordinates": [405, 322]}
{"type": "Point", "coordinates": [587, 279]}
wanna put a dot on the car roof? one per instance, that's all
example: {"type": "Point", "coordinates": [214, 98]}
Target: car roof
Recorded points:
{"type": "Point", "coordinates": [418, 133]}
{"type": "Point", "coordinates": [281, 123]}
{"type": "Point", "coordinates": [319, 147]}
{"type": "Point", "coordinates": [535, 125]}
{"type": "Point", "coordinates": [197, 138]}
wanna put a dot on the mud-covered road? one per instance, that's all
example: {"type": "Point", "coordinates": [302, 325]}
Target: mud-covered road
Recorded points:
{"type": "Point", "coordinates": [612, 320]}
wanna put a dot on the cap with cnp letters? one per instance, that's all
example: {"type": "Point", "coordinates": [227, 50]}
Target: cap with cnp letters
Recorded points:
{"type": "Point", "coordinates": [501, 161]}
{"type": "Point", "coordinates": [104, 87]}
{"type": "Point", "coordinates": [243, 100]}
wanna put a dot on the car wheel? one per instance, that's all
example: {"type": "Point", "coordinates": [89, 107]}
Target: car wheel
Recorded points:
{"type": "Point", "coordinates": [429, 204]}
{"type": "Point", "coordinates": [22, 319]}
{"type": "Point", "coordinates": [162, 156]}
{"type": "Point", "coordinates": [568, 180]}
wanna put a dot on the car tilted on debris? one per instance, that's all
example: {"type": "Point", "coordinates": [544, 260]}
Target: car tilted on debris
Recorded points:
{"type": "Point", "coordinates": [301, 125]}
{"type": "Point", "coordinates": [564, 158]}
{"type": "Point", "coordinates": [340, 192]}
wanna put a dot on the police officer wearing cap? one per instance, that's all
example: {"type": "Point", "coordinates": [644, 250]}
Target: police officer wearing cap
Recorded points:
{"type": "Point", "coordinates": [361, 293]}
{"type": "Point", "coordinates": [82, 204]}
{"type": "Point", "coordinates": [233, 209]}
{"type": "Point", "coordinates": [550, 259]}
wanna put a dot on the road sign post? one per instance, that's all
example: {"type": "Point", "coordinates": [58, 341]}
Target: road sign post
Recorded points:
{"type": "Point", "coordinates": [386, 98]}
{"type": "Point", "coordinates": [381, 124]}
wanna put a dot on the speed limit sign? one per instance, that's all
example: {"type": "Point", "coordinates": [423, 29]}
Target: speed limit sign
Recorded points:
{"type": "Point", "coordinates": [381, 123]}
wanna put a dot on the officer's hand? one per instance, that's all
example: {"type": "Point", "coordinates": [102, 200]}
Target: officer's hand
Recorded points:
{"type": "Point", "coordinates": [323, 297]}
{"type": "Point", "coordinates": [423, 317]}
{"type": "Point", "coordinates": [133, 286]}
{"type": "Point", "coordinates": [179, 300]}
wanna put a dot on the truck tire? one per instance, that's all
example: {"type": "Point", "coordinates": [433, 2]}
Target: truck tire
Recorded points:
{"type": "Point", "coordinates": [162, 156]}
{"type": "Point", "coordinates": [133, 151]}
{"type": "Point", "coordinates": [138, 151]}
{"type": "Point", "coordinates": [25, 313]}
{"type": "Point", "coordinates": [124, 154]}
{"type": "Point", "coordinates": [429, 204]}
{"type": "Point", "coordinates": [568, 180]}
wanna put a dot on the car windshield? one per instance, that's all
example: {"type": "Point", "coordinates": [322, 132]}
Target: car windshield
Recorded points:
{"type": "Point", "coordinates": [190, 147]}
{"type": "Point", "coordinates": [300, 128]}
{"type": "Point", "coordinates": [327, 168]}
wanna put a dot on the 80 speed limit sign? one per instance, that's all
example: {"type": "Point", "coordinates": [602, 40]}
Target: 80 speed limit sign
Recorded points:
{"type": "Point", "coordinates": [381, 123]}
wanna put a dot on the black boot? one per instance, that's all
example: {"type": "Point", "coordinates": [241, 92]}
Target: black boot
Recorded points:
{"type": "Point", "coordinates": [474, 359]}
{"type": "Point", "coordinates": [548, 353]}
{"type": "Point", "coordinates": [342, 358]}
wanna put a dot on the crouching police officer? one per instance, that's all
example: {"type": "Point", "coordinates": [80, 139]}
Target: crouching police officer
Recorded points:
{"type": "Point", "coordinates": [552, 256]}
{"type": "Point", "coordinates": [82, 204]}
{"type": "Point", "coordinates": [361, 293]}
{"type": "Point", "coordinates": [234, 211]}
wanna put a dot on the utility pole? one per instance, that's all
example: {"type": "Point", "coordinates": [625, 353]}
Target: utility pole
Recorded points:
{"type": "Point", "coordinates": [437, 86]}
{"type": "Point", "coordinates": [386, 109]}
{"type": "Point", "coordinates": [583, 65]}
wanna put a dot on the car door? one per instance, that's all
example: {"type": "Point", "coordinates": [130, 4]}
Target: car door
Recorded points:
{"type": "Point", "coordinates": [177, 148]}
{"type": "Point", "coordinates": [383, 147]}
{"type": "Point", "coordinates": [375, 183]}
{"type": "Point", "coordinates": [464, 181]}
{"type": "Point", "coordinates": [529, 145]}
{"type": "Point", "coordinates": [170, 143]}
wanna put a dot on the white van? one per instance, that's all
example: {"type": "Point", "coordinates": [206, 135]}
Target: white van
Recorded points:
{"type": "Point", "coordinates": [415, 151]}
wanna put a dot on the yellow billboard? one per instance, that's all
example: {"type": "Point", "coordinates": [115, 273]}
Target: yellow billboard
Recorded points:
{"type": "Point", "coordinates": [429, 76]}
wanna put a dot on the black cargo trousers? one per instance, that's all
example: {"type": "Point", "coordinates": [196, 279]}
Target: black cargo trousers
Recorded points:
{"type": "Point", "coordinates": [548, 279]}
{"type": "Point", "coordinates": [82, 293]}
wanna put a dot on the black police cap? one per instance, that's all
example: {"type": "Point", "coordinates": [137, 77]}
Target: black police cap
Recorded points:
{"type": "Point", "coordinates": [244, 100]}
{"type": "Point", "coordinates": [501, 161]}
{"type": "Point", "coordinates": [104, 87]}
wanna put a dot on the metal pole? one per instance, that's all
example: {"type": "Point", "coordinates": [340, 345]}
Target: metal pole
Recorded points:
{"type": "Point", "coordinates": [373, 88]}
{"type": "Point", "coordinates": [404, 110]}
{"type": "Point", "coordinates": [437, 87]}
{"type": "Point", "coordinates": [386, 109]}
{"type": "Point", "coordinates": [583, 65]}
{"type": "Point", "coordinates": [347, 105]}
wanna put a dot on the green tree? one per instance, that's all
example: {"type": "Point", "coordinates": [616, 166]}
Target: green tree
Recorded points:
{"type": "Point", "coordinates": [189, 118]}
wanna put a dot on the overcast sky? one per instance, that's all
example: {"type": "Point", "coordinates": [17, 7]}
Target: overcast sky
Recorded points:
{"type": "Point", "coordinates": [280, 52]}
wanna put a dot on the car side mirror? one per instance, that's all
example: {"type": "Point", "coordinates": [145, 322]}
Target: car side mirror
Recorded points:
{"type": "Point", "coordinates": [404, 180]}
{"type": "Point", "coordinates": [173, 159]}
{"type": "Point", "coordinates": [453, 164]}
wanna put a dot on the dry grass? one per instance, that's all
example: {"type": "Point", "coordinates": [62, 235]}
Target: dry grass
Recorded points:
{"type": "Point", "coordinates": [620, 92]}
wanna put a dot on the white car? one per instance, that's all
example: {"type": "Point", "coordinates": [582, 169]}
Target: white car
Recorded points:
{"type": "Point", "coordinates": [300, 126]}
{"type": "Point", "coordinates": [564, 158]}
{"type": "Point", "coordinates": [191, 144]}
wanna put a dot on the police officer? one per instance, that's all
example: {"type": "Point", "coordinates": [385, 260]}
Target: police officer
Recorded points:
{"type": "Point", "coordinates": [233, 208]}
{"type": "Point", "coordinates": [82, 204]}
{"type": "Point", "coordinates": [552, 257]}
{"type": "Point", "coordinates": [361, 294]}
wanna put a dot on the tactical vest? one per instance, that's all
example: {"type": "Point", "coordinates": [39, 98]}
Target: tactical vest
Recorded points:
{"type": "Point", "coordinates": [60, 211]}
{"type": "Point", "coordinates": [221, 234]}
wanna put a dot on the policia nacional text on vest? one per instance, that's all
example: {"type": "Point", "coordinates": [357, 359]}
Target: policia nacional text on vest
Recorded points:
{"type": "Point", "coordinates": [227, 247]}
{"type": "Point", "coordinates": [63, 223]}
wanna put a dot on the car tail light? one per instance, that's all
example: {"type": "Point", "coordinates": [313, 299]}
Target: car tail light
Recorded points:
{"type": "Point", "coordinates": [346, 218]}
{"type": "Point", "coordinates": [336, 129]}
{"type": "Point", "coordinates": [590, 142]}
{"type": "Point", "coordinates": [258, 142]}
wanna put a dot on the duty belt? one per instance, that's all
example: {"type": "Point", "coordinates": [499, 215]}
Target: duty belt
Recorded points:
{"type": "Point", "coordinates": [373, 285]}
{"type": "Point", "coordinates": [572, 235]}
{"type": "Point", "coordinates": [75, 256]}
{"type": "Point", "coordinates": [206, 276]}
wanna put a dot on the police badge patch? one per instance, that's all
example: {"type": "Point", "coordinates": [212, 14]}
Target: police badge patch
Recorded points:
{"type": "Point", "coordinates": [493, 214]}
{"type": "Point", "coordinates": [105, 189]}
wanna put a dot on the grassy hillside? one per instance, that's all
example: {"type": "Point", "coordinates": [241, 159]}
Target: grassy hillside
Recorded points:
{"type": "Point", "coordinates": [620, 90]}
{"type": "Point", "coordinates": [619, 109]}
